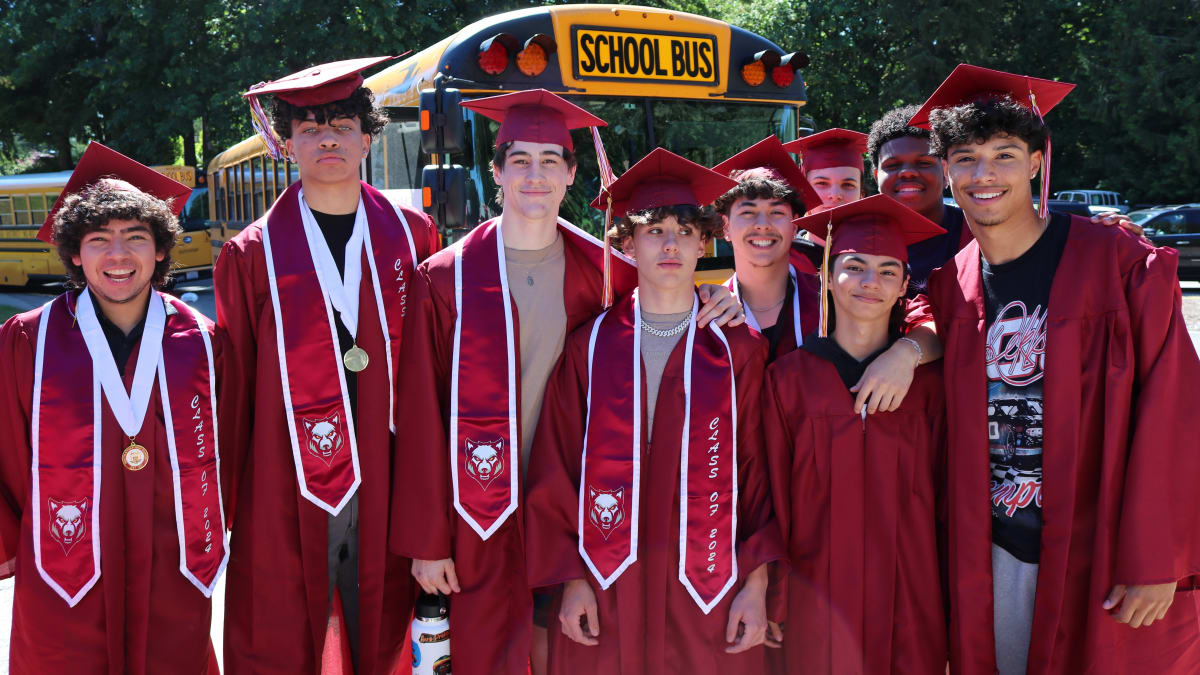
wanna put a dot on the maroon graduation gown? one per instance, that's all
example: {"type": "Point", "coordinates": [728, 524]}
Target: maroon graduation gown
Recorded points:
{"type": "Point", "coordinates": [648, 621]}
{"type": "Point", "coordinates": [1120, 503]}
{"type": "Point", "coordinates": [493, 610]}
{"type": "Point", "coordinates": [142, 616]}
{"type": "Point", "coordinates": [277, 595]}
{"type": "Point", "coordinates": [856, 505]}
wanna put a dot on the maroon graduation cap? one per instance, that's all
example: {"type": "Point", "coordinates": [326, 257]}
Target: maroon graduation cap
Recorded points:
{"type": "Point", "coordinates": [99, 162]}
{"type": "Point", "coordinates": [832, 147]}
{"type": "Point", "coordinates": [877, 225]}
{"type": "Point", "coordinates": [315, 86]}
{"type": "Point", "coordinates": [969, 84]}
{"type": "Point", "coordinates": [534, 116]}
{"type": "Point", "coordinates": [769, 158]}
{"type": "Point", "coordinates": [663, 178]}
{"type": "Point", "coordinates": [972, 84]}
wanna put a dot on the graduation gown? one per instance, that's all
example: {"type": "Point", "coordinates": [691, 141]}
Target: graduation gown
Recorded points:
{"type": "Point", "coordinates": [494, 608]}
{"type": "Point", "coordinates": [142, 616]}
{"type": "Point", "coordinates": [277, 600]}
{"type": "Point", "coordinates": [648, 621]}
{"type": "Point", "coordinates": [1120, 503]}
{"type": "Point", "coordinates": [856, 504]}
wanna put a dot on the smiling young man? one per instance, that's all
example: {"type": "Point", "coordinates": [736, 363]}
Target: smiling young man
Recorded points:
{"type": "Point", "coordinates": [832, 161]}
{"type": "Point", "coordinates": [661, 555]}
{"type": "Point", "coordinates": [491, 315]}
{"type": "Point", "coordinates": [313, 297]}
{"type": "Point", "coordinates": [110, 479]}
{"type": "Point", "coordinates": [856, 496]}
{"type": "Point", "coordinates": [1069, 382]}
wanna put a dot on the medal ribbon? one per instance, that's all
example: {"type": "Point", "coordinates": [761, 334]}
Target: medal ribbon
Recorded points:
{"type": "Point", "coordinates": [342, 291]}
{"type": "Point", "coordinates": [708, 456]}
{"type": "Point", "coordinates": [321, 423]}
{"type": "Point", "coordinates": [67, 452]}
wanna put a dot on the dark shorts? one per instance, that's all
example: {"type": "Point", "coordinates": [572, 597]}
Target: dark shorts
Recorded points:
{"type": "Point", "coordinates": [541, 608]}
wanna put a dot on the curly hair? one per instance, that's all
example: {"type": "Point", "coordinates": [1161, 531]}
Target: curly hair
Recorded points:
{"type": "Point", "coordinates": [759, 187]}
{"type": "Point", "coordinates": [360, 104]}
{"type": "Point", "coordinates": [112, 199]}
{"type": "Point", "coordinates": [978, 121]}
{"type": "Point", "coordinates": [893, 125]}
{"type": "Point", "coordinates": [705, 220]}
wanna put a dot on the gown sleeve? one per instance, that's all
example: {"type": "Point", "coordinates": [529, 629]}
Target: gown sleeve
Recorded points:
{"type": "Point", "coordinates": [1159, 532]}
{"type": "Point", "coordinates": [552, 496]}
{"type": "Point", "coordinates": [16, 374]}
{"type": "Point", "coordinates": [779, 443]}
{"type": "Point", "coordinates": [422, 517]}
{"type": "Point", "coordinates": [236, 301]}
{"type": "Point", "coordinates": [759, 538]}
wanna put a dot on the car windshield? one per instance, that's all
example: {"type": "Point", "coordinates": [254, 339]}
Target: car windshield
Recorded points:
{"type": "Point", "coordinates": [706, 133]}
{"type": "Point", "coordinates": [1140, 217]}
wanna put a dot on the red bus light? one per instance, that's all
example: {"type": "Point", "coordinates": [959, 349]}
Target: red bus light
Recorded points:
{"type": "Point", "coordinates": [493, 55]}
{"type": "Point", "coordinates": [783, 76]}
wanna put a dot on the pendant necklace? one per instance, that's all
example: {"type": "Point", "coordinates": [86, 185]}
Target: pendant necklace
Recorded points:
{"type": "Point", "coordinates": [356, 359]}
{"type": "Point", "coordinates": [135, 456]}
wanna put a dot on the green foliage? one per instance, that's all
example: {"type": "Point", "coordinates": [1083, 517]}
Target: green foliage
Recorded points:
{"type": "Point", "coordinates": [147, 76]}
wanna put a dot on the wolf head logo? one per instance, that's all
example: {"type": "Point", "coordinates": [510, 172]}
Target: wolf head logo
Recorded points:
{"type": "Point", "coordinates": [485, 461]}
{"type": "Point", "coordinates": [607, 509]}
{"type": "Point", "coordinates": [68, 522]}
{"type": "Point", "coordinates": [324, 437]}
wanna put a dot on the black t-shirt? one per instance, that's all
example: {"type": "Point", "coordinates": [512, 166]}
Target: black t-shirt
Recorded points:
{"type": "Point", "coordinates": [849, 368]}
{"type": "Point", "coordinates": [773, 334]}
{"type": "Point", "coordinates": [337, 230]}
{"type": "Point", "coordinates": [926, 256]}
{"type": "Point", "coordinates": [1017, 294]}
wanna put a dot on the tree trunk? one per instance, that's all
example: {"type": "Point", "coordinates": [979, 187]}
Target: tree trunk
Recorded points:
{"type": "Point", "coordinates": [189, 144]}
{"type": "Point", "coordinates": [62, 144]}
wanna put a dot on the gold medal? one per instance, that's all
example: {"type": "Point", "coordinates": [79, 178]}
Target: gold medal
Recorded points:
{"type": "Point", "coordinates": [356, 359]}
{"type": "Point", "coordinates": [135, 457]}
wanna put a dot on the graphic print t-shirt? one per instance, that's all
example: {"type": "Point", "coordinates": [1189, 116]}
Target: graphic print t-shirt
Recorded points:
{"type": "Point", "coordinates": [1017, 294]}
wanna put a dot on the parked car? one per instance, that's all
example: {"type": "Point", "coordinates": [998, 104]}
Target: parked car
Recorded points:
{"type": "Point", "coordinates": [1064, 206]}
{"type": "Point", "coordinates": [1097, 201]}
{"type": "Point", "coordinates": [1140, 216]}
{"type": "Point", "coordinates": [1179, 228]}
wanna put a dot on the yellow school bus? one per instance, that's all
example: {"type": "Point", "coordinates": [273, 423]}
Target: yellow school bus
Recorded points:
{"type": "Point", "coordinates": [697, 86]}
{"type": "Point", "coordinates": [25, 199]}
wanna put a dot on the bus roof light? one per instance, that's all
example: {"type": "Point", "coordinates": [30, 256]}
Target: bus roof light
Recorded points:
{"type": "Point", "coordinates": [494, 51]}
{"type": "Point", "coordinates": [754, 70]}
{"type": "Point", "coordinates": [532, 59]}
{"type": "Point", "coordinates": [785, 73]}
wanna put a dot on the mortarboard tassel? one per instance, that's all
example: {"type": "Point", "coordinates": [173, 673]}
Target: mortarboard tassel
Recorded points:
{"type": "Point", "coordinates": [263, 126]}
{"type": "Point", "coordinates": [1043, 203]}
{"type": "Point", "coordinates": [824, 327]}
{"type": "Point", "coordinates": [606, 179]}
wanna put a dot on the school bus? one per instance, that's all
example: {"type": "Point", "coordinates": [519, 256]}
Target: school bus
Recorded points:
{"type": "Point", "coordinates": [697, 86]}
{"type": "Point", "coordinates": [25, 199]}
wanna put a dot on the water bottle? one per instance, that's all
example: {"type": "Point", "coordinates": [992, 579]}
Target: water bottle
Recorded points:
{"type": "Point", "coordinates": [431, 636]}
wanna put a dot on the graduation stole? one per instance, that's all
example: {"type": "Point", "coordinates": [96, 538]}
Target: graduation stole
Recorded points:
{"type": "Point", "coordinates": [751, 321]}
{"type": "Point", "coordinates": [320, 421]}
{"type": "Point", "coordinates": [67, 437]}
{"type": "Point", "coordinates": [610, 481]}
{"type": "Point", "coordinates": [484, 441]}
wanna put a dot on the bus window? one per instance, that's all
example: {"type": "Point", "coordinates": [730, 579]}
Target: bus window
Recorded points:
{"type": "Point", "coordinates": [37, 208]}
{"type": "Point", "coordinates": [258, 176]}
{"type": "Point", "coordinates": [395, 157]}
{"type": "Point", "coordinates": [246, 213]}
{"type": "Point", "coordinates": [6, 213]}
{"type": "Point", "coordinates": [21, 209]}
{"type": "Point", "coordinates": [709, 133]}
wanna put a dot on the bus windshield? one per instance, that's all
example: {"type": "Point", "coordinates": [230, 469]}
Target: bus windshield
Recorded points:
{"type": "Point", "coordinates": [704, 132]}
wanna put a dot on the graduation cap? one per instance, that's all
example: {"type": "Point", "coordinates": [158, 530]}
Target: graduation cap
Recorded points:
{"type": "Point", "coordinates": [877, 225]}
{"type": "Point", "coordinates": [769, 159]}
{"type": "Point", "coordinates": [315, 86]}
{"type": "Point", "coordinates": [663, 178]}
{"type": "Point", "coordinates": [832, 147]}
{"type": "Point", "coordinates": [534, 116]}
{"type": "Point", "coordinates": [100, 162]}
{"type": "Point", "coordinates": [973, 84]}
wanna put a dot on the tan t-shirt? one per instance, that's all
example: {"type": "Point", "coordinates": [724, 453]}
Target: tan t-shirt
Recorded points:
{"type": "Point", "coordinates": [535, 281]}
{"type": "Point", "coordinates": [655, 352]}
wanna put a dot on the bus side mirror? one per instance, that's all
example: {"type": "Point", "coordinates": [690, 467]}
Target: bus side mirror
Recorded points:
{"type": "Point", "coordinates": [444, 195]}
{"type": "Point", "coordinates": [442, 129]}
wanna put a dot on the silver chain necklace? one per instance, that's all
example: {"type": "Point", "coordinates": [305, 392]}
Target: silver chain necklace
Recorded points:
{"type": "Point", "coordinates": [667, 332]}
